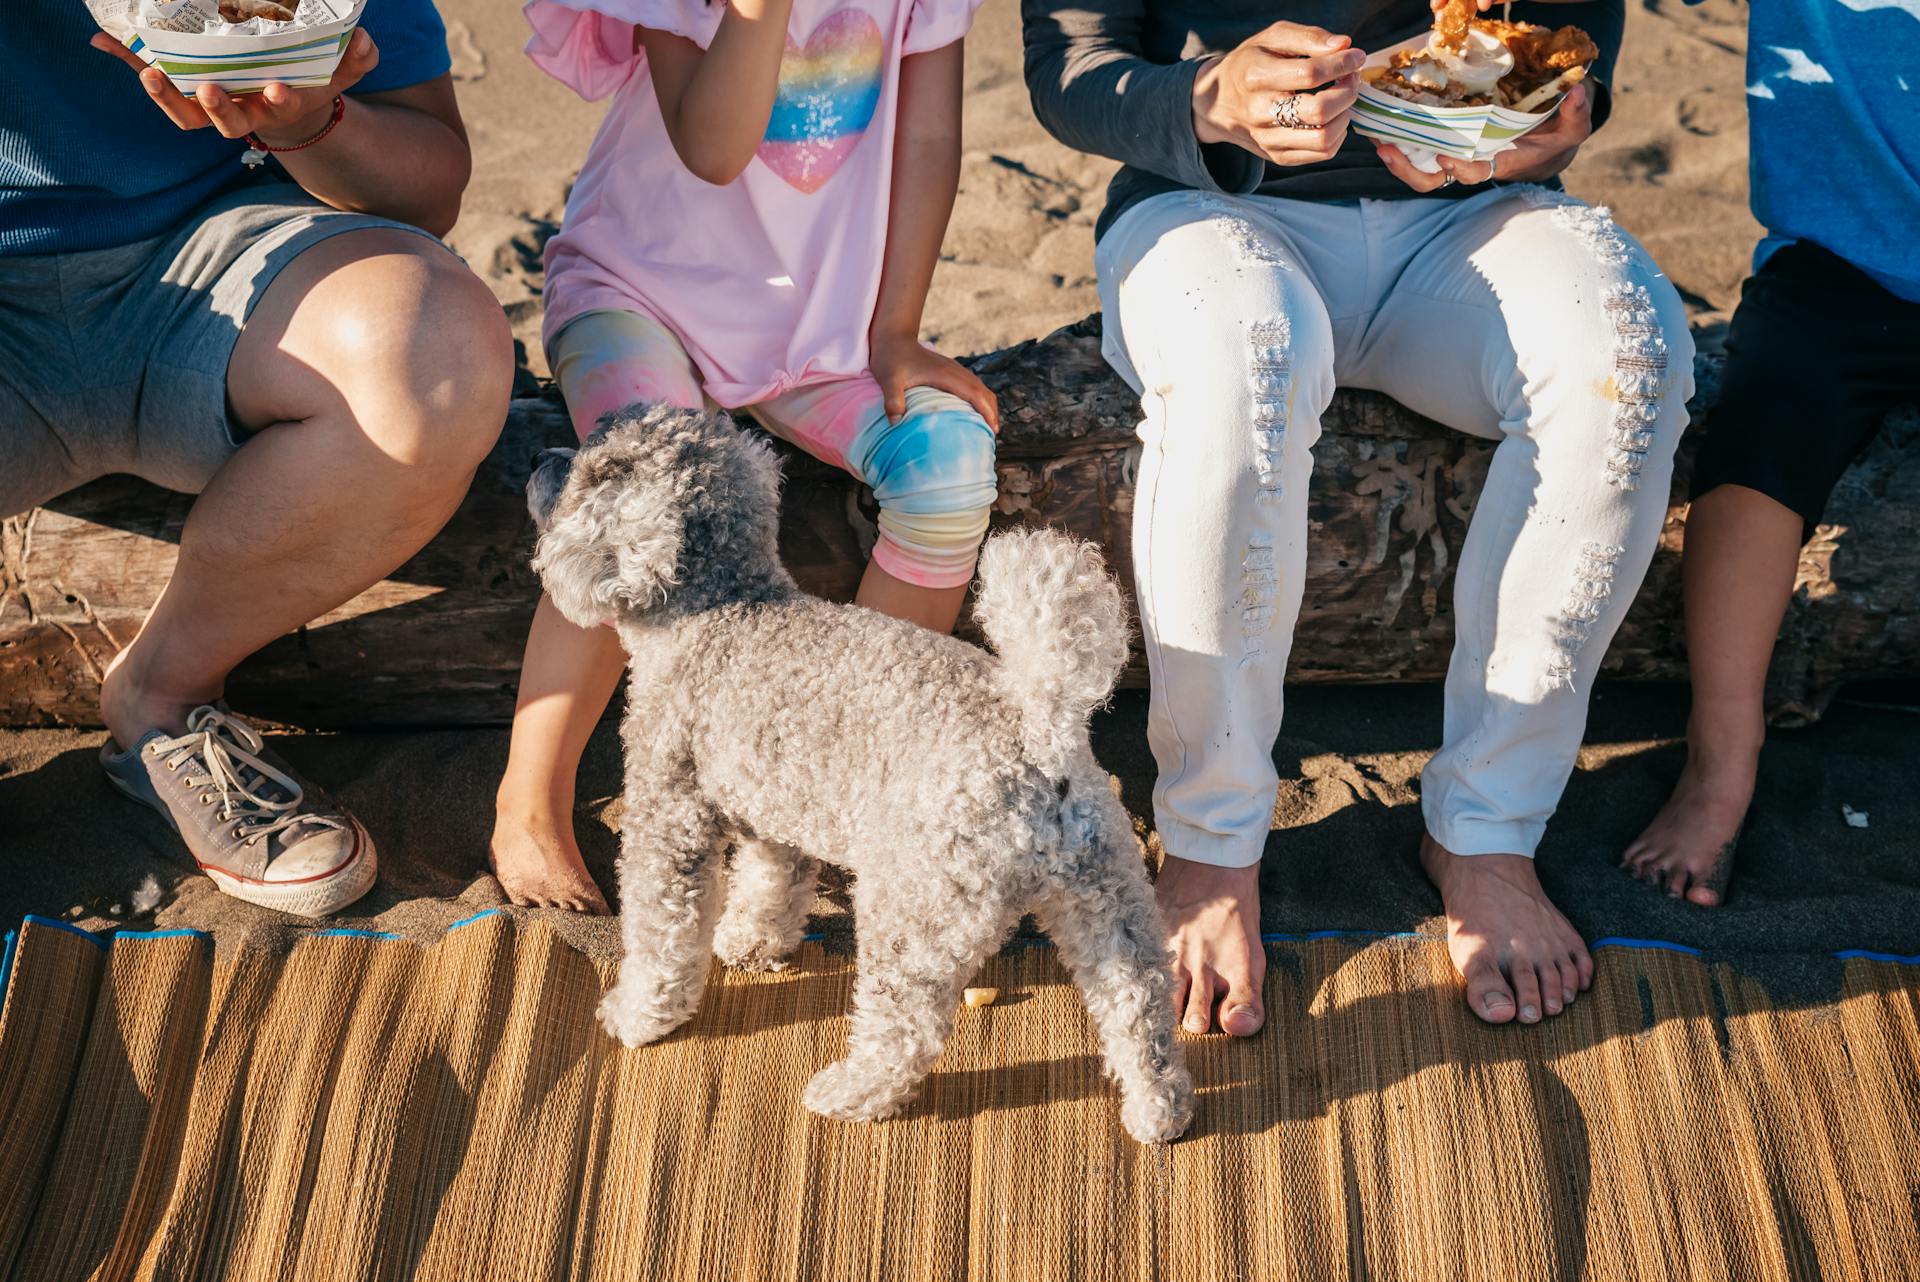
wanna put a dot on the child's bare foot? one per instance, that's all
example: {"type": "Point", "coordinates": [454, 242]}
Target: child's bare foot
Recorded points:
{"type": "Point", "coordinates": [1516, 953]}
{"type": "Point", "coordinates": [1688, 848]}
{"type": "Point", "coordinates": [539, 866]}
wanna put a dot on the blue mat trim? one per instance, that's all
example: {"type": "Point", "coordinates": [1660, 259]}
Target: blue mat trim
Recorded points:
{"type": "Point", "coordinates": [10, 944]}
{"type": "Point", "coordinates": [1861, 954]}
{"type": "Point", "coordinates": [1655, 945]}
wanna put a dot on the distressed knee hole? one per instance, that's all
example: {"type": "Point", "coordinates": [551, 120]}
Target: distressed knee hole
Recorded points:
{"type": "Point", "coordinates": [1259, 586]}
{"type": "Point", "coordinates": [1270, 389]}
{"type": "Point", "coordinates": [1250, 248]}
{"type": "Point", "coordinates": [1587, 599]}
{"type": "Point", "coordinates": [1639, 383]}
{"type": "Point", "coordinates": [1592, 225]}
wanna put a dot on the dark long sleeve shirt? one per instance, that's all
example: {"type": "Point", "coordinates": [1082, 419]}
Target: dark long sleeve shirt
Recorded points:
{"type": "Point", "coordinates": [1115, 78]}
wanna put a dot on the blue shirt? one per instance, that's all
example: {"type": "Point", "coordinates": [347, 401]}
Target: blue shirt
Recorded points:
{"type": "Point", "coordinates": [1833, 107]}
{"type": "Point", "coordinates": [87, 161]}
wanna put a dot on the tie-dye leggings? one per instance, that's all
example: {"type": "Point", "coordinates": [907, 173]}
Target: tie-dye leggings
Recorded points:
{"type": "Point", "coordinates": [932, 472]}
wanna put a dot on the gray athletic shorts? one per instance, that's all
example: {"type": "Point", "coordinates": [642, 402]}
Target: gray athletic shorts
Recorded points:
{"type": "Point", "coordinates": [115, 360]}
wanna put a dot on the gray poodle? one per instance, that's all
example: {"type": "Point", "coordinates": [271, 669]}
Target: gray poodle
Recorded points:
{"type": "Point", "coordinates": [958, 787]}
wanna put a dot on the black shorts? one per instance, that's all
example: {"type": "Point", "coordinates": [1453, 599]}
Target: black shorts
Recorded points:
{"type": "Point", "coordinates": [1818, 354]}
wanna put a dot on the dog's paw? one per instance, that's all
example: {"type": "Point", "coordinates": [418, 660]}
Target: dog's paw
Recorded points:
{"type": "Point", "coordinates": [633, 1021]}
{"type": "Point", "coordinates": [851, 1094]}
{"type": "Point", "coordinates": [745, 949]}
{"type": "Point", "coordinates": [1158, 1111]}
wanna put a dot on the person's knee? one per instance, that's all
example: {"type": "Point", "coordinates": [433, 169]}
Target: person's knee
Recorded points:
{"type": "Point", "coordinates": [935, 481]}
{"type": "Point", "coordinates": [425, 361]}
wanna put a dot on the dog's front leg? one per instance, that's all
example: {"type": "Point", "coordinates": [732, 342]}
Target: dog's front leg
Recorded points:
{"type": "Point", "coordinates": [919, 945]}
{"type": "Point", "coordinates": [669, 857]}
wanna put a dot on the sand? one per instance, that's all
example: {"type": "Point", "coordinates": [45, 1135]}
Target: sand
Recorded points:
{"type": "Point", "coordinates": [1017, 263]}
{"type": "Point", "coordinates": [1341, 856]}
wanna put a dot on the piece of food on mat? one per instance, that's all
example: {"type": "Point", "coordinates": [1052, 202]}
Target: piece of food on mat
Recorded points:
{"type": "Point", "coordinates": [247, 10]}
{"type": "Point", "coordinates": [980, 996]}
{"type": "Point", "coordinates": [1485, 62]}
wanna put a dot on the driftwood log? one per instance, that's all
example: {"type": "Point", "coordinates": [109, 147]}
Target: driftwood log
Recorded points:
{"type": "Point", "coordinates": [440, 641]}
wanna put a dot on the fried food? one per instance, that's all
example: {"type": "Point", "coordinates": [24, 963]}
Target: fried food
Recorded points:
{"type": "Point", "coordinates": [1540, 54]}
{"type": "Point", "coordinates": [247, 10]}
{"type": "Point", "coordinates": [1451, 23]}
{"type": "Point", "coordinates": [1473, 62]}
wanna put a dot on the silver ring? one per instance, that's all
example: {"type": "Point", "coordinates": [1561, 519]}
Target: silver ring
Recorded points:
{"type": "Point", "coordinates": [1286, 113]}
{"type": "Point", "coordinates": [1493, 166]}
{"type": "Point", "coordinates": [1448, 181]}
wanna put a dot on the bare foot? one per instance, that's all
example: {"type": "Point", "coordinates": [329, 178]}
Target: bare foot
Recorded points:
{"type": "Point", "coordinates": [1688, 848]}
{"type": "Point", "coordinates": [1515, 951]}
{"type": "Point", "coordinates": [1219, 962]}
{"type": "Point", "coordinates": [539, 866]}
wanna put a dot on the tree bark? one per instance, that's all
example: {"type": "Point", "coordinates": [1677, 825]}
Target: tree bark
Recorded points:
{"type": "Point", "coordinates": [440, 642]}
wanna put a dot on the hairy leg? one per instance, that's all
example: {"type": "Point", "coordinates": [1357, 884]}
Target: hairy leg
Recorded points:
{"type": "Point", "coordinates": [919, 945]}
{"type": "Point", "coordinates": [1743, 549]}
{"type": "Point", "coordinates": [567, 678]}
{"type": "Point", "coordinates": [768, 896]}
{"type": "Point", "coordinates": [669, 903]}
{"type": "Point", "coordinates": [1102, 917]}
{"type": "Point", "coordinates": [375, 372]}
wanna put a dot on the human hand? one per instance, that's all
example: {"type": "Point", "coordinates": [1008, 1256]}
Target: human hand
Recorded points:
{"type": "Point", "coordinates": [1243, 97]}
{"type": "Point", "coordinates": [278, 115]}
{"type": "Point", "coordinates": [1535, 157]}
{"type": "Point", "coordinates": [902, 361]}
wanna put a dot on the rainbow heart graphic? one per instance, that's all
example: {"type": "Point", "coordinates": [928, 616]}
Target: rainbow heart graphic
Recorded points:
{"type": "Point", "coordinates": [828, 93]}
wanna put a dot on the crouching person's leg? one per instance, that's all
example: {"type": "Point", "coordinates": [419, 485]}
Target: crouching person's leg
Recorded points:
{"type": "Point", "coordinates": [1819, 353]}
{"type": "Point", "coordinates": [372, 376]}
{"type": "Point", "coordinates": [932, 473]}
{"type": "Point", "coordinates": [1210, 316]}
{"type": "Point", "coordinates": [1535, 320]}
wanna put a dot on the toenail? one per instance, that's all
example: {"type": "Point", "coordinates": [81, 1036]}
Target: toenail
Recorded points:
{"type": "Point", "coordinates": [1495, 1001]}
{"type": "Point", "coordinates": [1528, 1012]}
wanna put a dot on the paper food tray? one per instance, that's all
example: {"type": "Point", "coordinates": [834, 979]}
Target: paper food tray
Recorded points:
{"type": "Point", "coordinates": [1465, 133]}
{"type": "Point", "coordinates": [300, 54]}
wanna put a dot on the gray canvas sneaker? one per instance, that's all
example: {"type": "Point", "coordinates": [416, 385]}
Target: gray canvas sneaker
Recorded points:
{"type": "Point", "coordinates": [263, 834]}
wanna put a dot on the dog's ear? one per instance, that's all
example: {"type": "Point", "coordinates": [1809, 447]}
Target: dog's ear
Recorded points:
{"type": "Point", "coordinates": [611, 546]}
{"type": "Point", "coordinates": [549, 477]}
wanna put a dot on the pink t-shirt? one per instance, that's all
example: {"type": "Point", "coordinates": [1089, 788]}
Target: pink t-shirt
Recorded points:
{"type": "Point", "coordinates": [770, 281]}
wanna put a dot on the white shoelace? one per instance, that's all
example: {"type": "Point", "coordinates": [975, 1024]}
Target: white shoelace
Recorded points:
{"type": "Point", "coordinates": [242, 781]}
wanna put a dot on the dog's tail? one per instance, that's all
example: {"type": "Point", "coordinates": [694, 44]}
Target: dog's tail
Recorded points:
{"type": "Point", "coordinates": [1057, 620]}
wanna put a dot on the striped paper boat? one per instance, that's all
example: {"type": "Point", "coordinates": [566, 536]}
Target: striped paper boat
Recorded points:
{"type": "Point", "coordinates": [1465, 133]}
{"type": "Point", "coordinates": [298, 54]}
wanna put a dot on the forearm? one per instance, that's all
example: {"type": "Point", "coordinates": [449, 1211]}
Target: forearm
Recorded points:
{"type": "Point", "coordinates": [1095, 91]}
{"type": "Point", "coordinates": [717, 104]}
{"type": "Point", "coordinates": [926, 177]}
{"type": "Point", "coordinates": [387, 158]}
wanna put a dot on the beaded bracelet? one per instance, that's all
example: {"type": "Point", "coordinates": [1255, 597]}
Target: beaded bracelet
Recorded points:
{"type": "Point", "coordinates": [258, 151]}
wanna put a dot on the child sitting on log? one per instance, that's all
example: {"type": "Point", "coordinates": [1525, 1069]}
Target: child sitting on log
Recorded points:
{"type": "Point", "coordinates": [1825, 343]}
{"type": "Point", "coordinates": [756, 225]}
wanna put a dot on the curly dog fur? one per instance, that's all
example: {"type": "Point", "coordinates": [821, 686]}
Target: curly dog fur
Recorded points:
{"type": "Point", "coordinates": [958, 787]}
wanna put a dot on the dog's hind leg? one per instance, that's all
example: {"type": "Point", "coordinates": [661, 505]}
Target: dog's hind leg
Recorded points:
{"type": "Point", "coordinates": [768, 895]}
{"type": "Point", "coordinates": [669, 900]}
{"type": "Point", "coordinates": [919, 945]}
{"type": "Point", "coordinates": [1101, 916]}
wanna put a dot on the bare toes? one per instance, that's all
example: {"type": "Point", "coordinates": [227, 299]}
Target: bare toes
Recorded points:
{"type": "Point", "coordinates": [1526, 991]}
{"type": "Point", "coordinates": [1487, 993]}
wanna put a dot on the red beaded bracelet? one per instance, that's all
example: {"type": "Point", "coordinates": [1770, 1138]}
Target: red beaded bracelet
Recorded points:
{"type": "Point", "coordinates": [257, 151]}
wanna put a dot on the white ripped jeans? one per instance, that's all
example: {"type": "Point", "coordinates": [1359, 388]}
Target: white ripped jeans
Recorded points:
{"type": "Point", "coordinates": [1519, 315]}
